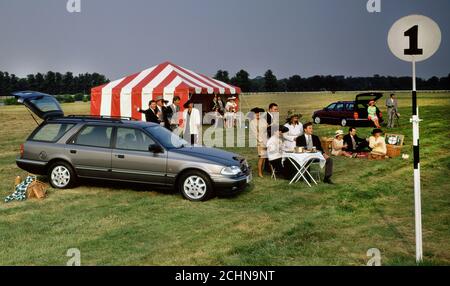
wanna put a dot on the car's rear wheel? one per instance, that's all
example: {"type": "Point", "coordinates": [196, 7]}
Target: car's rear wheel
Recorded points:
{"type": "Point", "coordinates": [317, 120]}
{"type": "Point", "coordinates": [61, 175]}
{"type": "Point", "coordinates": [196, 186]}
{"type": "Point", "coordinates": [344, 122]}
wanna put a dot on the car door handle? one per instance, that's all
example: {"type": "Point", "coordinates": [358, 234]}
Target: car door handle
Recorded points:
{"type": "Point", "coordinates": [73, 151]}
{"type": "Point", "coordinates": [120, 156]}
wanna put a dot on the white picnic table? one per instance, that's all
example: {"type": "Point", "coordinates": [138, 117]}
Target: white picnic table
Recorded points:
{"type": "Point", "coordinates": [301, 162]}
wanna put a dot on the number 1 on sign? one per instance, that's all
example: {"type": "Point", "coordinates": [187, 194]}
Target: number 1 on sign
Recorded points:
{"type": "Point", "coordinates": [413, 41]}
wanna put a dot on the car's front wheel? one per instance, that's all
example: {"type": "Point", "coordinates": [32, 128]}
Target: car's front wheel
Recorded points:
{"type": "Point", "coordinates": [61, 175]}
{"type": "Point", "coordinates": [344, 122]}
{"type": "Point", "coordinates": [317, 120]}
{"type": "Point", "coordinates": [195, 186]}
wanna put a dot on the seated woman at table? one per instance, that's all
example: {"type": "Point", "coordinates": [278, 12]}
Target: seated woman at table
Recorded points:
{"type": "Point", "coordinates": [338, 146]}
{"type": "Point", "coordinates": [275, 149]}
{"type": "Point", "coordinates": [378, 144]}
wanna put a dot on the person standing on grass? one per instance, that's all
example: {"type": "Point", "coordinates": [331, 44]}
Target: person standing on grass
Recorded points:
{"type": "Point", "coordinates": [295, 130]}
{"type": "Point", "coordinates": [151, 114]}
{"type": "Point", "coordinates": [372, 113]}
{"type": "Point", "coordinates": [258, 128]}
{"type": "Point", "coordinates": [272, 117]}
{"type": "Point", "coordinates": [392, 110]}
{"type": "Point", "coordinates": [173, 114]}
{"type": "Point", "coordinates": [191, 123]}
{"type": "Point", "coordinates": [230, 110]}
{"type": "Point", "coordinates": [308, 140]}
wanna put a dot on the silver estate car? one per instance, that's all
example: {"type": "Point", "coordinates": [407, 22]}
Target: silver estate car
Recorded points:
{"type": "Point", "coordinates": [70, 147]}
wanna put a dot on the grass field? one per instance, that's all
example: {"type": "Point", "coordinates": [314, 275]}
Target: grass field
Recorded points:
{"type": "Point", "coordinates": [271, 223]}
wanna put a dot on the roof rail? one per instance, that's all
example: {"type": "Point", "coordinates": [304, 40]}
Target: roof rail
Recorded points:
{"type": "Point", "coordinates": [101, 117]}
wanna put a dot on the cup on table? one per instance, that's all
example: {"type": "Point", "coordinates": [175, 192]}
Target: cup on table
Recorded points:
{"type": "Point", "coordinates": [314, 149]}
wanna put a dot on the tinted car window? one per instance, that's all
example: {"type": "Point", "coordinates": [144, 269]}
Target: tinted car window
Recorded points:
{"type": "Point", "coordinates": [339, 107]}
{"type": "Point", "coordinates": [46, 104]}
{"type": "Point", "coordinates": [132, 139]}
{"type": "Point", "coordinates": [331, 106]}
{"type": "Point", "coordinates": [168, 139]}
{"type": "Point", "coordinates": [97, 136]}
{"type": "Point", "coordinates": [349, 106]}
{"type": "Point", "coordinates": [51, 132]}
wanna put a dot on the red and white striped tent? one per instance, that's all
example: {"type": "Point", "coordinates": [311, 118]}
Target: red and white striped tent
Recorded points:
{"type": "Point", "coordinates": [124, 96]}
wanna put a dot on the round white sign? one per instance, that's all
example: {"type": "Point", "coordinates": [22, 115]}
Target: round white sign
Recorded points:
{"type": "Point", "coordinates": [414, 37]}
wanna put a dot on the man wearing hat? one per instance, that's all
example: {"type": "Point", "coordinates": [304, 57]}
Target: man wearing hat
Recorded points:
{"type": "Point", "coordinates": [378, 144]}
{"type": "Point", "coordinates": [151, 114]}
{"type": "Point", "coordinates": [308, 140]}
{"type": "Point", "coordinates": [163, 112]}
{"type": "Point", "coordinates": [258, 129]}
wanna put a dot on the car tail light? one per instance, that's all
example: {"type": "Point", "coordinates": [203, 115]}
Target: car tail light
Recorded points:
{"type": "Point", "coordinates": [21, 150]}
{"type": "Point", "coordinates": [355, 115]}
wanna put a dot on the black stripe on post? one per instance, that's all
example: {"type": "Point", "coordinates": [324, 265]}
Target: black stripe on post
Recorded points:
{"type": "Point", "coordinates": [414, 102]}
{"type": "Point", "coordinates": [416, 155]}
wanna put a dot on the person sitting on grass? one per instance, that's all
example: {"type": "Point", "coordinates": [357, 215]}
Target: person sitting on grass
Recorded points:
{"type": "Point", "coordinates": [339, 146]}
{"type": "Point", "coordinates": [353, 143]}
{"type": "Point", "coordinates": [275, 149]}
{"type": "Point", "coordinates": [378, 144]}
{"type": "Point", "coordinates": [372, 113]}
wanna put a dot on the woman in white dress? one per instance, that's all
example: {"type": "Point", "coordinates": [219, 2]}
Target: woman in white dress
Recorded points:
{"type": "Point", "coordinates": [295, 130]}
{"type": "Point", "coordinates": [230, 109]}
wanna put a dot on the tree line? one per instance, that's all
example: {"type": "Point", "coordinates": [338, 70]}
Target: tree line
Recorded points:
{"type": "Point", "coordinates": [270, 83]}
{"type": "Point", "coordinates": [58, 84]}
{"type": "Point", "coordinates": [52, 82]}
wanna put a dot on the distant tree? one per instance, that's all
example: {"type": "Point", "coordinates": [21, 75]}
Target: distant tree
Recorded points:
{"type": "Point", "coordinates": [242, 80]}
{"type": "Point", "coordinates": [270, 81]}
{"type": "Point", "coordinates": [222, 76]}
{"type": "Point", "coordinates": [295, 83]}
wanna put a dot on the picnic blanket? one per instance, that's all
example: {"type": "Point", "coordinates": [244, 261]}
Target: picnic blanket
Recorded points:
{"type": "Point", "coordinates": [20, 193]}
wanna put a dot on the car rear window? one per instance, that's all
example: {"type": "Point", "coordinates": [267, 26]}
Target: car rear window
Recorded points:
{"type": "Point", "coordinates": [51, 132]}
{"type": "Point", "coordinates": [95, 136]}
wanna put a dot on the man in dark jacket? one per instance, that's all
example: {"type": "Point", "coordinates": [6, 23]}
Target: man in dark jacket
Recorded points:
{"type": "Point", "coordinates": [163, 112]}
{"type": "Point", "coordinates": [151, 114]}
{"type": "Point", "coordinates": [354, 143]}
{"type": "Point", "coordinates": [308, 140]}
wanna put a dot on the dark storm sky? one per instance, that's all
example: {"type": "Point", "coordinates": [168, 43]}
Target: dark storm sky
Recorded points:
{"type": "Point", "coordinates": [306, 37]}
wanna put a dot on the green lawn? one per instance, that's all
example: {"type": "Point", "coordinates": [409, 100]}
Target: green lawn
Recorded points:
{"type": "Point", "coordinates": [271, 223]}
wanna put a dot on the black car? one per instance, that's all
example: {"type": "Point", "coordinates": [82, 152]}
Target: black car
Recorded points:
{"type": "Point", "coordinates": [349, 113]}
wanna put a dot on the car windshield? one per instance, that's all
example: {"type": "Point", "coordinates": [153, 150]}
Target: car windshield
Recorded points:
{"type": "Point", "coordinates": [168, 139]}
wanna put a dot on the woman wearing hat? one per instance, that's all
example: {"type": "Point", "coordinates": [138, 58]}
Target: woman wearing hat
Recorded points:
{"type": "Point", "coordinates": [258, 128]}
{"type": "Point", "coordinates": [230, 109]}
{"type": "Point", "coordinates": [372, 113]}
{"type": "Point", "coordinates": [191, 123]}
{"type": "Point", "coordinates": [338, 145]}
{"type": "Point", "coordinates": [295, 130]}
{"type": "Point", "coordinates": [378, 144]}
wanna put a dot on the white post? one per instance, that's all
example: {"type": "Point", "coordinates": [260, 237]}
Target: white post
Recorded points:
{"type": "Point", "coordinates": [417, 198]}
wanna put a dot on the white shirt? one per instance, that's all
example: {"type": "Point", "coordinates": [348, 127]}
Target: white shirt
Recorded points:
{"type": "Point", "coordinates": [194, 122]}
{"type": "Point", "coordinates": [290, 137]}
{"type": "Point", "coordinates": [274, 148]}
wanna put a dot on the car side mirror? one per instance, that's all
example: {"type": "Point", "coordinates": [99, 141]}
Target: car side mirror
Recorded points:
{"type": "Point", "coordinates": [155, 148]}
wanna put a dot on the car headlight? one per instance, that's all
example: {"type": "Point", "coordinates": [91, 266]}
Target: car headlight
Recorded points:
{"type": "Point", "coordinates": [230, 171]}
